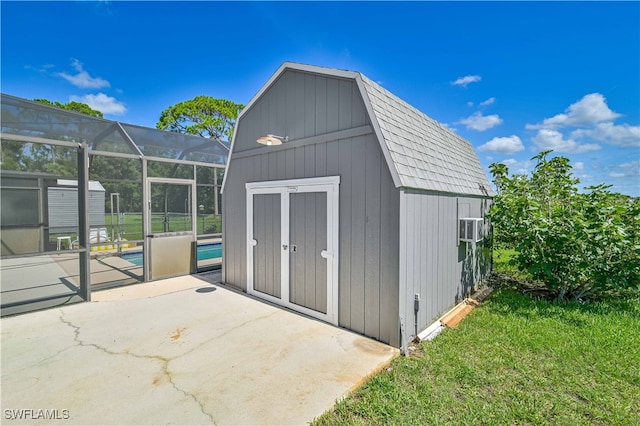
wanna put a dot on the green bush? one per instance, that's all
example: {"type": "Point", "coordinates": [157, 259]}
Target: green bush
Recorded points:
{"type": "Point", "coordinates": [577, 244]}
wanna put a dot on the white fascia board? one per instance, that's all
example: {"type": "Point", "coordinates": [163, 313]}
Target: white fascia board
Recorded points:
{"type": "Point", "coordinates": [397, 182]}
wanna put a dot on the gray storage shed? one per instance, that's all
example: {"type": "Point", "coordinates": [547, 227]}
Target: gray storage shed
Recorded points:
{"type": "Point", "coordinates": [354, 212]}
{"type": "Point", "coordinates": [63, 206]}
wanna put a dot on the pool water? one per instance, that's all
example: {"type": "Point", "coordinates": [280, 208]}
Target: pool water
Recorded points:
{"type": "Point", "coordinates": [205, 252]}
{"type": "Point", "coordinates": [209, 251]}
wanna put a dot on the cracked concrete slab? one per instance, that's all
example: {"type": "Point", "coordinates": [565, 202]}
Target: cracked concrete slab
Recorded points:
{"type": "Point", "coordinates": [200, 354]}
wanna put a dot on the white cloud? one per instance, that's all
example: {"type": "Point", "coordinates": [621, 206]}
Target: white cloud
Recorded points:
{"type": "Point", "coordinates": [553, 139]}
{"type": "Point", "coordinates": [450, 127]}
{"type": "Point", "coordinates": [103, 103]}
{"type": "Point", "coordinates": [591, 109]}
{"type": "Point", "coordinates": [630, 170]}
{"type": "Point", "coordinates": [488, 102]}
{"type": "Point", "coordinates": [505, 145]}
{"type": "Point", "coordinates": [623, 135]}
{"type": "Point", "coordinates": [580, 172]}
{"type": "Point", "coordinates": [479, 122]}
{"type": "Point", "coordinates": [41, 69]}
{"type": "Point", "coordinates": [469, 104]}
{"type": "Point", "coordinates": [625, 178]}
{"type": "Point", "coordinates": [518, 167]}
{"type": "Point", "coordinates": [463, 81]}
{"type": "Point", "coordinates": [82, 79]}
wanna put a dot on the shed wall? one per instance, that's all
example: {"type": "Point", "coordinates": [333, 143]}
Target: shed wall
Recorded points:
{"type": "Point", "coordinates": [433, 262]}
{"type": "Point", "coordinates": [368, 221]}
{"type": "Point", "coordinates": [63, 209]}
{"type": "Point", "coordinates": [302, 105]}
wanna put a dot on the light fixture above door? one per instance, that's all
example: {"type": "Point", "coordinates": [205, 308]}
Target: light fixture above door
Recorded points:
{"type": "Point", "coordinates": [271, 140]}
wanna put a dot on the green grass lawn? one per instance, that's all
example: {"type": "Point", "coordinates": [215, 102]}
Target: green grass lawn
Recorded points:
{"type": "Point", "coordinates": [513, 360]}
{"type": "Point", "coordinates": [208, 224]}
{"type": "Point", "coordinates": [132, 226]}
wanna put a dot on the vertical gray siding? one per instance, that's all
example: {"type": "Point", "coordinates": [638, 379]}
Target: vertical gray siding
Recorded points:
{"type": "Point", "coordinates": [63, 209]}
{"type": "Point", "coordinates": [266, 224]}
{"type": "Point", "coordinates": [433, 263]}
{"type": "Point", "coordinates": [308, 233]}
{"type": "Point", "coordinates": [368, 221]}
{"type": "Point", "coordinates": [302, 105]}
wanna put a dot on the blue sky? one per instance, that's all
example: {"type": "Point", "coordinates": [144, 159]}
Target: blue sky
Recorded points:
{"type": "Point", "coordinates": [512, 78]}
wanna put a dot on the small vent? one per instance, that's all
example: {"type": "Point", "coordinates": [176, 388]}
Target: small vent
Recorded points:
{"type": "Point", "coordinates": [471, 229]}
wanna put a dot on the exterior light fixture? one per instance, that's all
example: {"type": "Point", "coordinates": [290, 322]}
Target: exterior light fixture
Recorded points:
{"type": "Point", "coordinates": [271, 140]}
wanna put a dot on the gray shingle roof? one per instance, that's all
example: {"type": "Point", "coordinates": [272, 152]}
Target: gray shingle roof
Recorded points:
{"type": "Point", "coordinates": [425, 153]}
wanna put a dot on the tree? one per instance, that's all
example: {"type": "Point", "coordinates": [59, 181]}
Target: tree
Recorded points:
{"type": "Point", "coordinates": [203, 116]}
{"type": "Point", "coordinates": [54, 159]}
{"type": "Point", "coordinates": [576, 244]}
{"type": "Point", "coordinates": [72, 106]}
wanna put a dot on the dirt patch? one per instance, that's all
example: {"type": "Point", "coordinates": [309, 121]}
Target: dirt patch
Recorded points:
{"type": "Point", "coordinates": [177, 334]}
{"type": "Point", "coordinates": [415, 350]}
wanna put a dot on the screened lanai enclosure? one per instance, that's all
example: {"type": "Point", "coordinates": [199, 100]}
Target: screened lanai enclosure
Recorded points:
{"type": "Point", "coordinates": [89, 203]}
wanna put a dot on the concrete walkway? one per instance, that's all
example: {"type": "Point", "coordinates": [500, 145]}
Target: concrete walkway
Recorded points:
{"type": "Point", "coordinates": [178, 351]}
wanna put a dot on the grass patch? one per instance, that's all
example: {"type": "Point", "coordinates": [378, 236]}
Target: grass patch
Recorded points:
{"type": "Point", "coordinates": [132, 226]}
{"type": "Point", "coordinates": [504, 263]}
{"type": "Point", "coordinates": [513, 360]}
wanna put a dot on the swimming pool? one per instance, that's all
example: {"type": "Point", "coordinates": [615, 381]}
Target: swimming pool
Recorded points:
{"type": "Point", "coordinates": [205, 252]}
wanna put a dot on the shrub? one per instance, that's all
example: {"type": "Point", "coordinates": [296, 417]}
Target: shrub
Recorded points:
{"type": "Point", "coordinates": [577, 244]}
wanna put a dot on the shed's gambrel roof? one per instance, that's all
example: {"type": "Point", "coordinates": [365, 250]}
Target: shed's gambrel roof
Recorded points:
{"type": "Point", "coordinates": [424, 153]}
{"type": "Point", "coordinates": [420, 152]}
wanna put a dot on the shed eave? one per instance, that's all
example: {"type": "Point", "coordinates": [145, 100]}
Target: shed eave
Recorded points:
{"type": "Point", "coordinates": [441, 192]}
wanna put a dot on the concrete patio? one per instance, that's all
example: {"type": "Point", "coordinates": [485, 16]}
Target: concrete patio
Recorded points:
{"type": "Point", "coordinates": [178, 351]}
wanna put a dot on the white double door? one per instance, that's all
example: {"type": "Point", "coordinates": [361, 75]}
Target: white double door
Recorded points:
{"type": "Point", "coordinates": [292, 244]}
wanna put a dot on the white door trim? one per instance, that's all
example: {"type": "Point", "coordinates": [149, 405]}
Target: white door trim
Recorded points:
{"type": "Point", "coordinates": [330, 185]}
{"type": "Point", "coordinates": [294, 182]}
